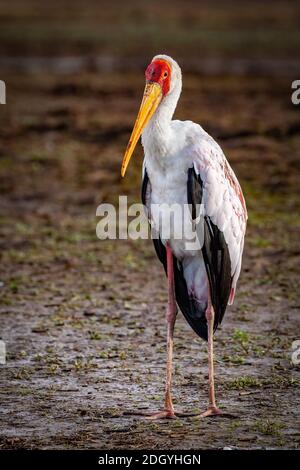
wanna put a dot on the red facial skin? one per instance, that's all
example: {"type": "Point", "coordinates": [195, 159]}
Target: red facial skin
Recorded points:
{"type": "Point", "coordinates": [159, 71]}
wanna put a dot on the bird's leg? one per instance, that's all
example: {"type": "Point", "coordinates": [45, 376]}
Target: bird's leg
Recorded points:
{"type": "Point", "coordinates": [212, 408]}
{"type": "Point", "coordinates": [171, 318]}
{"type": "Point", "coordinates": [168, 411]}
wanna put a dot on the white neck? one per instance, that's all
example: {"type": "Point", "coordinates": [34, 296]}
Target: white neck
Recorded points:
{"type": "Point", "coordinates": [157, 135]}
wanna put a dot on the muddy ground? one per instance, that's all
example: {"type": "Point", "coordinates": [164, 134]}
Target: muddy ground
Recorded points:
{"type": "Point", "coordinates": [83, 319]}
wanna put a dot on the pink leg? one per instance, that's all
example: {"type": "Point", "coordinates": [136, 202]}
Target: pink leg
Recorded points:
{"type": "Point", "coordinates": [168, 411]}
{"type": "Point", "coordinates": [212, 408]}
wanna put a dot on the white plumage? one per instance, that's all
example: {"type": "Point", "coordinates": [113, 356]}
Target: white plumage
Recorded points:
{"type": "Point", "coordinates": [171, 147]}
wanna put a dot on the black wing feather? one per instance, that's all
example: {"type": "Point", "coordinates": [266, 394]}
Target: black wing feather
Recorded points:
{"type": "Point", "coordinates": [215, 253]}
{"type": "Point", "coordinates": [144, 187]}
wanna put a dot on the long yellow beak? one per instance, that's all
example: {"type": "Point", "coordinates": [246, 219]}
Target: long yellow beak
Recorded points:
{"type": "Point", "coordinates": [151, 99]}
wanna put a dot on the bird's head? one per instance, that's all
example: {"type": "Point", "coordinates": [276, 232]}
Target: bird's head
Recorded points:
{"type": "Point", "coordinates": [163, 82]}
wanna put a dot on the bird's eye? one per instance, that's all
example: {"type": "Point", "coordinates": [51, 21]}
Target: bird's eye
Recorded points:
{"type": "Point", "coordinates": [165, 74]}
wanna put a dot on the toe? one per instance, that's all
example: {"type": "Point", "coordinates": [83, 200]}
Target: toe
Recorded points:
{"type": "Point", "coordinates": [211, 411]}
{"type": "Point", "coordinates": [169, 414]}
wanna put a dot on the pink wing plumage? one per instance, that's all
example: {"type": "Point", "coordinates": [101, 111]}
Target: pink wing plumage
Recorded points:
{"type": "Point", "coordinates": [223, 200]}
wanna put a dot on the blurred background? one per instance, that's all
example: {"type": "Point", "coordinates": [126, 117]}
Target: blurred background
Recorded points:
{"type": "Point", "coordinates": [83, 320]}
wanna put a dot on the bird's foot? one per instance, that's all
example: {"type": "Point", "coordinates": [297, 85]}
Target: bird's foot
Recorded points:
{"type": "Point", "coordinates": [211, 411]}
{"type": "Point", "coordinates": [169, 414]}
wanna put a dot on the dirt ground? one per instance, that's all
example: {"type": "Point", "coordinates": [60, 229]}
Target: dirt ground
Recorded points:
{"type": "Point", "coordinates": [83, 319]}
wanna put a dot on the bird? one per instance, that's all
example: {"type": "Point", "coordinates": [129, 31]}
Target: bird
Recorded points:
{"type": "Point", "coordinates": [184, 165]}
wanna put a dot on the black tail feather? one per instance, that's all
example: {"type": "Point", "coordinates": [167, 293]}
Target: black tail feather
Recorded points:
{"type": "Point", "coordinates": [193, 312]}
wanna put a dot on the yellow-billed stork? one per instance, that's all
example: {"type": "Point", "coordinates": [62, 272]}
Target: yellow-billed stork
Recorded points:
{"type": "Point", "coordinates": [184, 165]}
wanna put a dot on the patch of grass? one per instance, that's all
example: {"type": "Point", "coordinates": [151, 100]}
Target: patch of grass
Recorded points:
{"type": "Point", "coordinates": [38, 357]}
{"type": "Point", "coordinates": [237, 360]}
{"type": "Point", "coordinates": [234, 425]}
{"type": "Point", "coordinates": [14, 287]}
{"type": "Point", "coordinates": [177, 424]}
{"type": "Point", "coordinates": [122, 355]}
{"type": "Point", "coordinates": [243, 382]}
{"type": "Point", "coordinates": [53, 369]}
{"type": "Point", "coordinates": [103, 355]}
{"type": "Point", "coordinates": [278, 381]}
{"type": "Point", "coordinates": [269, 428]}
{"type": "Point", "coordinates": [258, 351]}
{"type": "Point", "coordinates": [79, 364]}
{"type": "Point", "coordinates": [156, 398]}
{"type": "Point", "coordinates": [25, 391]}
{"type": "Point", "coordinates": [94, 335]}
{"type": "Point", "coordinates": [22, 374]}
{"type": "Point", "coordinates": [240, 336]}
